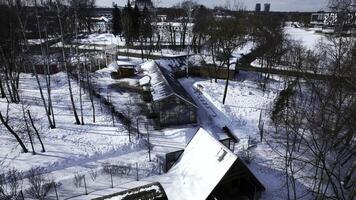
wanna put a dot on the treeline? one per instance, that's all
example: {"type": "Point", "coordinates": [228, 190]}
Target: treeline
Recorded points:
{"type": "Point", "coordinates": [132, 24]}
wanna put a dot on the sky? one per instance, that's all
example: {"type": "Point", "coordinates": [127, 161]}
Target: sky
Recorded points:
{"type": "Point", "coordinates": [276, 5]}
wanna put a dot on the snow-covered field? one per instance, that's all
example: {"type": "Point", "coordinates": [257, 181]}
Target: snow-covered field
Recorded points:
{"type": "Point", "coordinates": [69, 144]}
{"type": "Point", "coordinates": [308, 38]}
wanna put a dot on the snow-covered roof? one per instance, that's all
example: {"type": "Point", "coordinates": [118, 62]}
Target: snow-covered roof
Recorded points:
{"type": "Point", "coordinates": [200, 168]}
{"type": "Point", "coordinates": [150, 191]}
{"type": "Point", "coordinates": [164, 84]}
{"type": "Point", "coordinates": [145, 81]}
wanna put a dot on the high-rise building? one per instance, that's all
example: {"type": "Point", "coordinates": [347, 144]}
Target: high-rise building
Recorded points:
{"type": "Point", "coordinates": [258, 7]}
{"type": "Point", "coordinates": [267, 7]}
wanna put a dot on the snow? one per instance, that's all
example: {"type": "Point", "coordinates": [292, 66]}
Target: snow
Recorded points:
{"type": "Point", "coordinates": [69, 144]}
{"type": "Point", "coordinates": [200, 168]}
{"type": "Point", "coordinates": [123, 196]}
{"type": "Point", "coordinates": [244, 103]}
{"type": "Point", "coordinates": [145, 81]}
{"type": "Point", "coordinates": [102, 39]}
{"type": "Point", "coordinates": [309, 38]}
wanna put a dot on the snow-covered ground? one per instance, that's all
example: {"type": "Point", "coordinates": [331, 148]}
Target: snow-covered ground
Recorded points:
{"type": "Point", "coordinates": [69, 144]}
{"type": "Point", "coordinates": [241, 112]}
{"type": "Point", "coordinates": [79, 149]}
{"type": "Point", "coordinates": [308, 38]}
{"type": "Point", "coordinates": [205, 57]}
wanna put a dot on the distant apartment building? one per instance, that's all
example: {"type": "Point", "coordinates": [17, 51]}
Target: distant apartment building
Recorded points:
{"type": "Point", "coordinates": [267, 7]}
{"type": "Point", "coordinates": [258, 7]}
{"type": "Point", "coordinates": [331, 19]}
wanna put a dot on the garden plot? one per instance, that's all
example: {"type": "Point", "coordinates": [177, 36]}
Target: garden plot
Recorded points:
{"type": "Point", "coordinates": [69, 144]}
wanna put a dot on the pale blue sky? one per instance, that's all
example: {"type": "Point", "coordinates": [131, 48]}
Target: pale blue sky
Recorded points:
{"type": "Point", "coordinates": [276, 5]}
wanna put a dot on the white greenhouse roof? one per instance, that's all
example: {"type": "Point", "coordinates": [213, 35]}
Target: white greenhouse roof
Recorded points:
{"type": "Point", "coordinates": [164, 84]}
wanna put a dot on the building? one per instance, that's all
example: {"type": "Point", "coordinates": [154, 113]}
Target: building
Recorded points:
{"type": "Point", "coordinates": [317, 19]}
{"type": "Point", "coordinates": [141, 4]}
{"type": "Point", "coordinates": [153, 191]}
{"type": "Point", "coordinates": [100, 24]}
{"type": "Point", "coordinates": [209, 170]}
{"type": "Point", "coordinates": [267, 7]}
{"type": "Point", "coordinates": [124, 69]}
{"type": "Point", "coordinates": [161, 18]}
{"type": "Point", "coordinates": [171, 104]}
{"type": "Point", "coordinates": [258, 7]}
{"type": "Point", "coordinates": [330, 19]}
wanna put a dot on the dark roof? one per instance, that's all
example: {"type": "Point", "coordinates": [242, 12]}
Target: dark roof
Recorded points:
{"type": "Point", "coordinates": [173, 87]}
{"type": "Point", "coordinates": [153, 191]}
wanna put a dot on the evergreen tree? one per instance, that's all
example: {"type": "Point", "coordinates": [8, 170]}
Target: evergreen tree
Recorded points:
{"type": "Point", "coordinates": [146, 24]}
{"type": "Point", "coordinates": [136, 16]}
{"type": "Point", "coordinates": [127, 22]}
{"type": "Point", "coordinates": [116, 24]}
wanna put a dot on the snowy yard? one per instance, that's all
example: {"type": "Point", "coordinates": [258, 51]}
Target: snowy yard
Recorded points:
{"type": "Point", "coordinates": [68, 144]}
{"type": "Point", "coordinates": [244, 104]}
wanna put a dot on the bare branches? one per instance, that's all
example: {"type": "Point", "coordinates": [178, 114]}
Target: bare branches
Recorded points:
{"type": "Point", "coordinates": [39, 184]}
{"type": "Point", "coordinates": [12, 132]}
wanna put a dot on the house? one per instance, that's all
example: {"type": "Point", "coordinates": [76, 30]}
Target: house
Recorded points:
{"type": "Point", "coordinates": [171, 104]}
{"type": "Point", "coordinates": [209, 170]}
{"type": "Point", "coordinates": [153, 191]}
{"type": "Point", "coordinates": [100, 24]}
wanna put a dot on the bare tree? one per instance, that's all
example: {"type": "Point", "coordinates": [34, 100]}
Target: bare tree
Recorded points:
{"type": "Point", "coordinates": [39, 184]}
{"type": "Point", "coordinates": [13, 133]}
{"type": "Point", "coordinates": [36, 131]}
{"type": "Point", "coordinates": [11, 184]}
{"type": "Point", "coordinates": [225, 36]}
{"type": "Point", "coordinates": [77, 121]}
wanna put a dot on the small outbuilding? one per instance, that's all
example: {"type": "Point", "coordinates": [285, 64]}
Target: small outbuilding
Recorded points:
{"type": "Point", "coordinates": [124, 69]}
{"type": "Point", "coordinates": [171, 104]}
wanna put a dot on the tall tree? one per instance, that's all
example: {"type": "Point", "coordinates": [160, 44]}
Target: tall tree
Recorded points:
{"type": "Point", "coordinates": [127, 23]}
{"type": "Point", "coordinates": [226, 35]}
{"type": "Point", "coordinates": [136, 19]}
{"type": "Point", "coordinates": [85, 11]}
{"type": "Point", "coordinates": [77, 121]}
{"type": "Point", "coordinates": [202, 19]}
{"type": "Point", "coordinates": [145, 28]}
{"type": "Point", "coordinates": [116, 21]}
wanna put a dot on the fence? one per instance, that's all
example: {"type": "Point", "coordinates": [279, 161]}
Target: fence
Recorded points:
{"type": "Point", "coordinates": [82, 182]}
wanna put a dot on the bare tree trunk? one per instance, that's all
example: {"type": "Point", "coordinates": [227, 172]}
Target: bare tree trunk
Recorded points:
{"type": "Point", "coordinates": [36, 131]}
{"type": "Point", "coordinates": [227, 80]}
{"type": "Point", "coordinates": [81, 85]}
{"type": "Point", "coordinates": [3, 95]}
{"type": "Point", "coordinates": [13, 133]}
{"type": "Point", "coordinates": [34, 68]}
{"type": "Point", "coordinates": [48, 81]}
{"type": "Point", "coordinates": [77, 121]}
{"type": "Point", "coordinates": [28, 130]}
{"type": "Point", "coordinates": [91, 90]}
